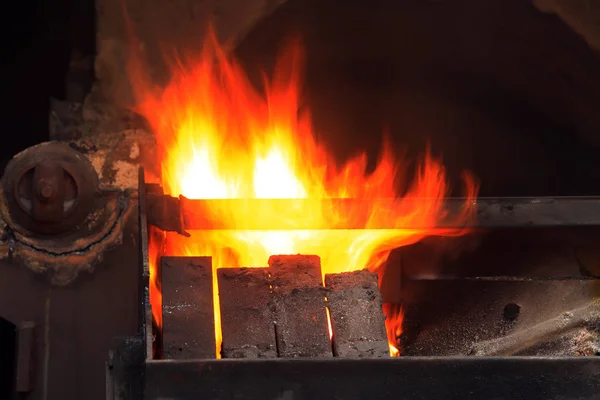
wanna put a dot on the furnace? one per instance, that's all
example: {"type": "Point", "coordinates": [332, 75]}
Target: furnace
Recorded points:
{"type": "Point", "coordinates": [515, 299]}
{"type": "Point", "coordinates": [213, 242]}
{"type": "Point", "coordinates": [512, 303]}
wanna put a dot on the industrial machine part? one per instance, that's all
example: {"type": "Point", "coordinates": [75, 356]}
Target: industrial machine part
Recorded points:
{"type": "Point", "coordinates": [546, 293]}
{"type": "Point", "coordinates": [49, 189]}
{"type": "Point", "coordinates": [69, 277]}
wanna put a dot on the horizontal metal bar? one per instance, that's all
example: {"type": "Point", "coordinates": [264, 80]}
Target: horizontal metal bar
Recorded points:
{"type": "Point", "coordinates": [498, 278]}
{"type": "Point", "coordinates": [384, 213]}
{"type": "Point", "coordinates": [401, 378]}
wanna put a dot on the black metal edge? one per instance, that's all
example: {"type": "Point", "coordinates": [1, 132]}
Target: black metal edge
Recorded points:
{"type": "Point", "coordinates": [125, 369]}
{"type": "Point", "coordinates": [508, 212]}
{"type": "Point", "coordinates": [144, 301]}
{"type": "Point", "coordinates": [530, 378]}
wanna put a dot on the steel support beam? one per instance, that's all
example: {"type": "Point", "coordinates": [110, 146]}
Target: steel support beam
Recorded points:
{"type": "Point", "coordinates": [177, 214]}
{"type": "Point", "coordinates": [431, 378]}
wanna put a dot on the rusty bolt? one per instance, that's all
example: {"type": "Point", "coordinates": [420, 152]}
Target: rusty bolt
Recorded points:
{"type": "Point", "coordinates": [45, 190]}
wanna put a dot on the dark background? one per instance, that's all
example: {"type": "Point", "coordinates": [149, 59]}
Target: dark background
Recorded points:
{"type": "Point", "coordinates": [8, 339]}
{"type": "Point", "coordinates": [495, 86]}
{"type": "Point", "coordinates": [39, 40]}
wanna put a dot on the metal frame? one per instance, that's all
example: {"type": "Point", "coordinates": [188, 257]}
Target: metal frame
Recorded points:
{"type": "Point", "coordinates": [180, 214]}
{"type": "Point", "coordinates": [445, 378]}
{"type": "Point", "coordinates": [489, 212]}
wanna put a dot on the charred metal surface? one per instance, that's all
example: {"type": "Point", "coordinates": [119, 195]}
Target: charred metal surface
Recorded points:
{"type": "Point", "coordinates": [538, 252]}
{"type": "Point", "coordinates": [356, 313]}
{"type": "Point", "coordinates": [587, 317]}
{"type": "Point", "coordinates": [49, 189]}
{"type": "Point", "coordinates": [154, 307]}
{"type": "Point", "coordinates": [145, 310]}
{"type": "Point", "coordinates": [454, 316]}
{"type": "Point", "coordinates": [485, 286]}
{"type": "Point", "coordinates": [63, 259]}
{"type": "Point", "coordinates": [433, 378]}
{"type": "Point", "coordinates": [543, 211]}
{"type": "Point", "coordinates": [75, 324]}
{"type": "Point", "coordinates": [188, 308]}
{"type": "Point", "coordinates": [257, 214]}
{"type": "Point", "coordinates": [124, 369]}
{"type": "Point", "coordinates": [574, 343]}
{"type": "Point", "coordinates": [542, 253]}
{"type": "Point", "coordinates": [299, 303]}
{"type": "Point", "coordinates": [391, 278]}
{"type": "Point", "coordinates": [247, 321]}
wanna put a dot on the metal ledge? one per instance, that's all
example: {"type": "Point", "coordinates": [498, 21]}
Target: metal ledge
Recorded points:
{"type": "Point", "coordinates": [178, 214]}
{"type": "Point", "coordinates": [431, 378]}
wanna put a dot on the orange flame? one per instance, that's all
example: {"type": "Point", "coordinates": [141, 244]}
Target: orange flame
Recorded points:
{"type": "Point", "coordinates": [329, 327]}
{"type": "Point", "coordinates": [394, 315]}
{"type": "Point", "coordinates": [156, 241]}
{"type": "Point", "coordinates": [219, 138]}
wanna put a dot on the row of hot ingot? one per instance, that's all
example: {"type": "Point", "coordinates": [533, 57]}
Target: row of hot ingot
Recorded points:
{"type": "Point", "coordinates": [282, 310]}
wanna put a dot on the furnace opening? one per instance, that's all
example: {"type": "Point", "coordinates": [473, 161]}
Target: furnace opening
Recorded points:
{"type": "Point", "coordinates": [259, 183]}
{"type": "Point", "coordinates": [257, 177]}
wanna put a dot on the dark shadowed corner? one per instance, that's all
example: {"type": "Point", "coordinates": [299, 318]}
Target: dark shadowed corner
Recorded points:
{"type": "Point", "coordinates": [512, 102]}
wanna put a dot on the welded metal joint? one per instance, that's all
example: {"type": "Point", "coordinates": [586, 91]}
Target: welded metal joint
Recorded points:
{"type": "Point", "coordinates": [163, 211]}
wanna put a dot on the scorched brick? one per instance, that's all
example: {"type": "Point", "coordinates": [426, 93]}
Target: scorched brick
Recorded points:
{"type": "Point", "coordinates": [246, 319]}
{"type": "Point", "coordinates": [356, 315]}
{"type": "Point", "coordinates": [188, 311]}
{"type": "Point", "coordinates": [299, 304]}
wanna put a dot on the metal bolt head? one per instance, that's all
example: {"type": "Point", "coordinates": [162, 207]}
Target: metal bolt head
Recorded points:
{"type": "Point", "coordinates": [46, 191]}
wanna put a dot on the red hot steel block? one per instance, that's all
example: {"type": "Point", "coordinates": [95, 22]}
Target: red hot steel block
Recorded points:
{"type": "Point", "coordinates": [299, 306]}
{"type": "Point", "coordinates": [357, 318]}
{"type": "Point", "coordinates": [246, 319]}
{"type": "Point", "coordinates": [188, 311]}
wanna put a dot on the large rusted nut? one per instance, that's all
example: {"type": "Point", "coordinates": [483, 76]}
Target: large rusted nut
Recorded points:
{"type": "Point", "coordinates": [49, 189]}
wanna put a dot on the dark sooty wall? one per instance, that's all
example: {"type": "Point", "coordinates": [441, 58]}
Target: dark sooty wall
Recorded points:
{"type": "Point", "coordinates": [496, 86]}
{"type": "Point", "coordinates": [37, 41]}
